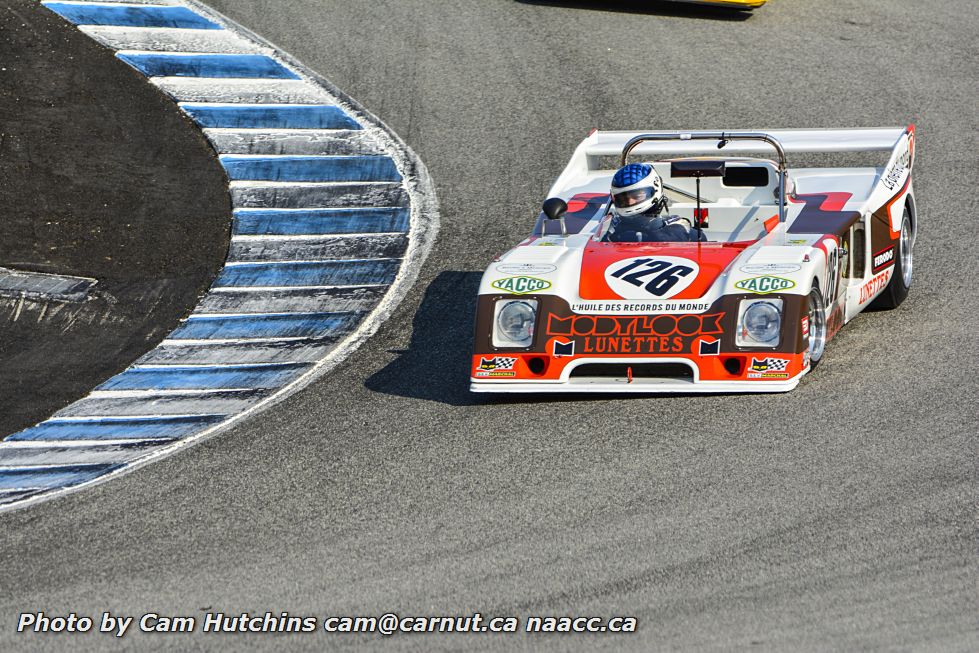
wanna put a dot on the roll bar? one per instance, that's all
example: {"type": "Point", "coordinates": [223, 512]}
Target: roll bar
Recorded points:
{"type": "Point", "coordinates": [722, 139]}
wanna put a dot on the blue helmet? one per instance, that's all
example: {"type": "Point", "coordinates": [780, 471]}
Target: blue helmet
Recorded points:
{"type": "Point", "coordinates": [635, 189]}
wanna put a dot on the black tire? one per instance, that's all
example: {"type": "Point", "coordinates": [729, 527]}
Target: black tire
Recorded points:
{"type": "Point", "coordinates": [817, 326]}
{"type": "Point", "coordinates": [900, 283]}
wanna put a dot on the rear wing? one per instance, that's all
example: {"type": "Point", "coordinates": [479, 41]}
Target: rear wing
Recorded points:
{"type": "Point", "coordinates": [598, 145]}
{"type": "Point", "coordinates": [591, 155]}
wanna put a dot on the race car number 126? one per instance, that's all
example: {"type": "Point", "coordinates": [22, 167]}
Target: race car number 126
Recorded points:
{"type": "Point", "coordinates": [643, 277]}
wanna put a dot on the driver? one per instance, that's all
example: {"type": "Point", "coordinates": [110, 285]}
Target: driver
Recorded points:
{"type": "Point", "coordinates": [637, 201]}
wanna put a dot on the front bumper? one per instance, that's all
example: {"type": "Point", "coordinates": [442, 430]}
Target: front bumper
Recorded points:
{"type": "Point", "coordinates": [654, 385]}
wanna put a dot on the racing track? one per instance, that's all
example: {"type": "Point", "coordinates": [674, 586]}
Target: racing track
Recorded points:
{"type": "Point", "coordinates": [839, 516]}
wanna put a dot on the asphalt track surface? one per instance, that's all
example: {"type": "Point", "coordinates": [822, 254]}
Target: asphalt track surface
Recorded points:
{"type": "Point", "coordinates": [840, 516]}
{"type": "Point", "coordinates": [100, 176]}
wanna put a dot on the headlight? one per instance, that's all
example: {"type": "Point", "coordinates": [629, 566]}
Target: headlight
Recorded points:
{"type": "Point", "coordinates": [760, 324]}
{"type": "Point", "coordinates": [514, 324]}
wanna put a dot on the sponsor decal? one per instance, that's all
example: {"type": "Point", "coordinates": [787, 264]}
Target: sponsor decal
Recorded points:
{"type": "Point", "coordinates": [563, 348]}
{"type": "Point", "coordinates": [884, 258]}
{"type": "Point", "coordinates": [768, 368]}
{"type": "Point", "coordinates": [640, 307]}
{"type": "Point", "coordinates": [892, 177]}
{"type": "Point", "coordinates": [521, 285]}
{"type": "Point", "coordinates": [702, 216]}
{"type": "Point", "coordinates": [650, 277]}
{"type": "Point", "coordinates": [805, 325]}
{"type": "Point", "coordinates": [766, 284]}
{"type": "Point", "coordinates": [798, 241]}
{"type": "Point", "coordinates": [872, 287]}
{"type": "Point", "coordinates": [496, 366]}
{"type": "Point", "coordinates": [770, 268]}
{"type": "Point", "coordinates": [647, 334]}
{"type": "Point", "coordinates": [710, 347]}
{"type": "Point", "coordinates": [525, 268]}
{"type": "Point", "coordinates": [805, 359]}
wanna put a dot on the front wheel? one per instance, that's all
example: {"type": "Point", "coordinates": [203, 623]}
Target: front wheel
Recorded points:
{"type": "Point", "coordinates": [900, 283]}
{"type": "Point", "coordinates": [817, 326]}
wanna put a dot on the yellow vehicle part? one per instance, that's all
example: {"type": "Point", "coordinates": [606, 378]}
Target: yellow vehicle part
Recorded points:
{"type": "Point", "coordinates": [734, 4]}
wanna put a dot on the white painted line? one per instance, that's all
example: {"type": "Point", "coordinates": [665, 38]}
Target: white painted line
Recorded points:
{"type": "Point", "coordinates": [148, 418]}
{"type": "Point", "coordinates": [288, 237]}
{"type": "Point", "coordinates": [191, 53]}
{"type": "Point", "coordinates": [170, 342]}
{"type": "Point", "coordinates": [297, 184]}
{"type": "Point", "coordinates": [210, 366]}
{"type": "Point", "coordinates": [234, 289]}
{"type": "Point", "coordinates": [269, 314]}
{"type": "Point", "coordinates": [166, 392]}
{"type": "Point", "coordinates": [229, 264]}
{"type": "Point", "coordinates": [35, 444]}
{"type": "Point", "coordinates": [171, 40]}
{"type": "Point", "coordinates": [255, 105]}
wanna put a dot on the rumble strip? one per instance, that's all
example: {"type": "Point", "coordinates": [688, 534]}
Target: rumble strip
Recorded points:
{"type": "Point", "coordinates": [333, 216]}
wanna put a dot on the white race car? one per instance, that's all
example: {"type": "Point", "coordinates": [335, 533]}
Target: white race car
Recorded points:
{"type": "Point", "coordinates": [789, 257]}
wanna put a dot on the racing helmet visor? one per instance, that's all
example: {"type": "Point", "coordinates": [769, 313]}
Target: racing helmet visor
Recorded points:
{"type": "Point", "coordinates": [628, 198]}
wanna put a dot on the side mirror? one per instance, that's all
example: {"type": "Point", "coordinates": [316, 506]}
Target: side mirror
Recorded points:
{"type": "Point", "coordinates": [555, 208]}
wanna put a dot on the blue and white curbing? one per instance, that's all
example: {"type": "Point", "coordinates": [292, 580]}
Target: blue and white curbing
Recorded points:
{"type": "Point", "coordinates": [333, 216]}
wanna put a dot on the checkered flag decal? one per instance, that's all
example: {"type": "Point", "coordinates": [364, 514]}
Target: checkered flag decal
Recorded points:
{"type": "Point", "coordinates": [777, 364]}
{"type": "Point", "coordinates": [503, 363]}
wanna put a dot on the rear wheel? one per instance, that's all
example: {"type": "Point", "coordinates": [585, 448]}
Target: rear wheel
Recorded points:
{"type": "Point", "coordinates": [817, 326]}
{"type": "Point", "coordinates": [900, 283]}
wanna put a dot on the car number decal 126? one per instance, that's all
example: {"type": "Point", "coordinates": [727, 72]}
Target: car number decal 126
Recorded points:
{"type": "Point", "coordinates": [643, 277]}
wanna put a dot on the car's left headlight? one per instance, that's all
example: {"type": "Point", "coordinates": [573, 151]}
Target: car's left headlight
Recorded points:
{"type": "Point", "coordinates": [513, 324]}
{"type": "Point", "coordinates": [759, 323]}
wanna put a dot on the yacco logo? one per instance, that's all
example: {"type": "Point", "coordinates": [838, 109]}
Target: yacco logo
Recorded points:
{"type": "Point", "coordinates": [764, 284]}
{"type": "Point", "coordinates": [521, 285]}
{"type": "Point", "coordinates": [883, 258]}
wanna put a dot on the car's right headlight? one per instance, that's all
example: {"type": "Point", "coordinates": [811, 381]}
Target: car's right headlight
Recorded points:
{"type": "Point", "coordinates": [514, 321]}
{"type": "Point", "coordinates": [760, 323]}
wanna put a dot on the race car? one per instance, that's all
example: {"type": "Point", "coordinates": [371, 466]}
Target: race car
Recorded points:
{"type": "Point", "coordinates": [785, 258]}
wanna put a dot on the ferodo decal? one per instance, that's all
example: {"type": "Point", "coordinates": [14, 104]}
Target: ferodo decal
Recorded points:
{"type": "Point", "coordinates": [873, 286]}
{"type": "Point", "coordinates": [640, 334]}
{"type": "Point", "coordinates": [496, 366]}
{"type": "Point", "coordinates": [766, 284]}
{"type": "Point", "coordinates": [525, 268]}
{"type": "Point", "coordinates": [883, 259]}
{"type": "Point", "coordinates": [768, 368]}
{"type": "Point", "coordinates": [521, 285]}
{"type": "Point", "coordinates": [650, 277]}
